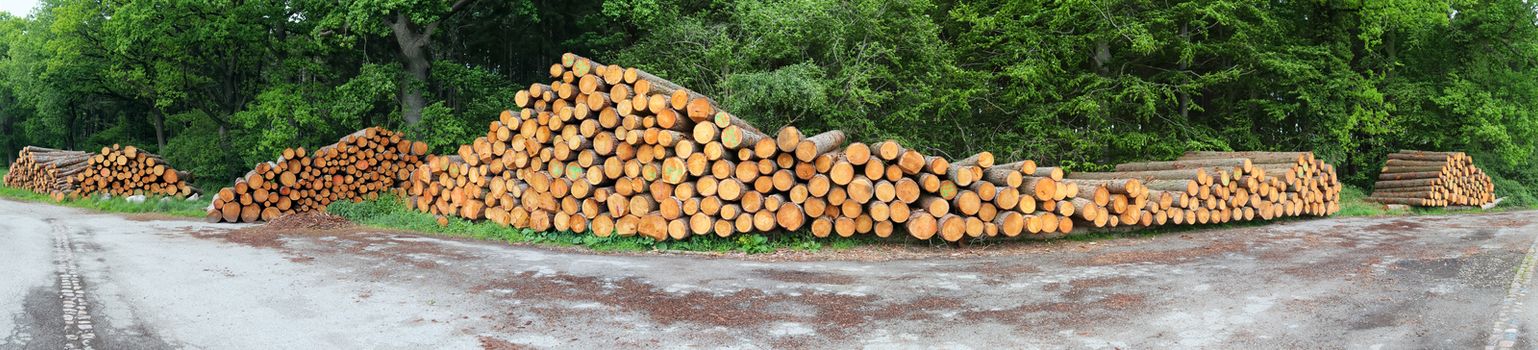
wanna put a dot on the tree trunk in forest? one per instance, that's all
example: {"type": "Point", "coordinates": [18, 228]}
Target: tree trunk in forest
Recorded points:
{"type": "Point", "coordinates": [1102, 56]}
{"type": "Point", "coordinates": [1185, 96]}
{"type": "Point", "coordinates": [413, 85]}
{"type": "Point", "coordinates": [414, 39]}
{"type": "Point", "coordinates": [160, 129]}
{"type": "Point", "coordinates": [70, 127]}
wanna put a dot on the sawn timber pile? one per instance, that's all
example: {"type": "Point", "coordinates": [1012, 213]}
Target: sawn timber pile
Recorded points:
{"type": "Point", "coordinates": [358, 166]}
{"type": "Point", "coordinates": [617, 151]}
{"type": "Point", "coordinates": [1432, 179]}
{"type": "Point", "coordinates": [116, 170]}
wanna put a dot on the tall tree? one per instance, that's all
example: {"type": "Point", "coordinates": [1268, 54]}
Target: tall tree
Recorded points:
{"type": "Point", "coordinates": [412, 25]}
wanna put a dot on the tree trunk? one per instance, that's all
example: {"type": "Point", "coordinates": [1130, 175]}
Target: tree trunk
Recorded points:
{"type": "Point", "coordinates": [413, 84]}
{"type": "Point", "coordinates": [1102, 56]}
{"type": "Point", "coordinates": [1185, 96]}
{"type": "Point", "coordinates": [160, 129]}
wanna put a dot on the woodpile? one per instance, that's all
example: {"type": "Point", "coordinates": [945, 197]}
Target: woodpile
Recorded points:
{"type": "Point", "coordinates": [1211, 188]}
{"type": "Point", "coordinates": [614, 150]}
{"type": "Point", "coordinates": [1432, 179]}
{"type": "Point", "coordinates": [127, 171]}
{"type": "Point", "coordinates": [617, 151]}
{"type": "Point", "coordinates": [46, 170]}
{"type": "Point", "coordinates": [116, 170]}
{"type": "Point", "coordinates": [1299, 183]}
{"type": "Point", "coordinates": [358, 166]}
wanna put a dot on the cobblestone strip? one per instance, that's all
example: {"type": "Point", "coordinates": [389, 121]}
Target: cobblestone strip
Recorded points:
{"type": "Point", "coordinates": [1503, 333]}
{"type": "Point", "coordinates": [78, 332]}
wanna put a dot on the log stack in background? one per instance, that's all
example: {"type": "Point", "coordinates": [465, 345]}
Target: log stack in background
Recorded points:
{"type": "Point", "coordinates": [1217, 187]}
{"type": "Point", "coordinates": [617, 151]}
{"type": "Point", "coordinates": [358, 166]}
{"type": "Point", "coordinates": [1432, 179]}
{"type": "Point", "coordinates": [46, 170]}
{"type": "Point", "coordinates": [116, 170]}
{"type": "Point", "coordinates": [1298, 182]}
{"type": "Point", "coordinates": [127, 170]}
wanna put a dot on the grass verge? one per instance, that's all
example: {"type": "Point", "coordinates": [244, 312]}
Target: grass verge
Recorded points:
{"type": "Point", "coordinates": [1354, 203]}
{"type": "Point", "coordinates": [173, 206]}
{"type": "Point", "coordinates": [388, 212]}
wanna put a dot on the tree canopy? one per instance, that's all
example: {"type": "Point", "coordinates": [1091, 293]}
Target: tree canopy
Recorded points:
{"type": "Point", "coordinates": [218, 85]}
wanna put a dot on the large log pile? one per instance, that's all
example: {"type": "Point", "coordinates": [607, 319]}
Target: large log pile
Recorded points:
{"type": "Point", "coordinates": [617, 151]}
{"type": "Point", "coordinates": [46, 170]}
{"type": "Point", "coordinates": [116, 170]}
{"type": "Point", "coordinates": [358, 166]}
{"type": "Point", "coordinates": [127, 170]}
{"type": "Point", "coordinates": [1432, 179]}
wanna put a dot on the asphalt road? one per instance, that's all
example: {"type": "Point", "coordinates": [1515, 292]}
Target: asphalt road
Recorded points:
{"type": "Point", "coordinates": [75, 280]}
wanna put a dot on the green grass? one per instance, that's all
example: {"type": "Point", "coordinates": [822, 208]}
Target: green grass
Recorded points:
{"type": "Point", "coordinates": [1354, 203]}
{"type": "Point", "coordinates": [173, 206]}
{"type": "Point", "coordinates": [388, 212]}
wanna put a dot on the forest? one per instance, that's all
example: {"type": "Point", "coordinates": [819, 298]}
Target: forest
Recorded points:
{"type": "Point", "coordinates": [217, 85]}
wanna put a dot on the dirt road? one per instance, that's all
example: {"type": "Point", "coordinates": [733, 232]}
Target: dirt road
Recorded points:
{"type": "Point", "coordinates": [75, 280]}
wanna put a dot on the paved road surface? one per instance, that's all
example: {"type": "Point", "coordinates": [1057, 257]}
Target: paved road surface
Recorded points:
{"type": "Point", "coordinates": [74, 280]}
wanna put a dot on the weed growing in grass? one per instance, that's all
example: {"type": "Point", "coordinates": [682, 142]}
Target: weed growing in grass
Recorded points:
{"type": "Point", "coordinates": [388, 212]}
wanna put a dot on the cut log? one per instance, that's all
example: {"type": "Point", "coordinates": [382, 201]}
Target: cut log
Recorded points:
{"type": "Point", "coordinates": [808, 149]}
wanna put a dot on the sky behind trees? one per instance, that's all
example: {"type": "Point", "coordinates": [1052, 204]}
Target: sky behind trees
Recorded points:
{"type": "Point", "coordinates": [18, 8]}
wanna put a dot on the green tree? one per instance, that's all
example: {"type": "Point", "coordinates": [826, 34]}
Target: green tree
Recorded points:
{"type": "Point", "coordinates": [412, 24]}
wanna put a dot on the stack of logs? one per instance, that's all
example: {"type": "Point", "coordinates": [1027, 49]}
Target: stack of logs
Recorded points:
{"type": "Point", "coordinates": [127, 170]}
{"type": "Point", "coordinates": [358, 166]}
{"type": "Point", "coordinates": [1219, 187]}
{"type": "Point", "coordinates": [1294, 183]}
{"type": "Point", "coordinates": [617, 151]}
{"type": "Point", "coordinates": [117, 170]}
{"type": "Point", "coordinates": [1432, 179]}
{"type": "Point", "coordinates": [46, 170]}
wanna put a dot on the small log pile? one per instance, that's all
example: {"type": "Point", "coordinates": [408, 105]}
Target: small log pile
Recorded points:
{"type": "Point", "coordinates": [1432, 179]}
{"type": "Point", "coordinates": [358, 166]}
{"type": "Point", "coordinates": [615, 150]}
{"type": "Point", "coordinates": [1216, 187]}
{"type": "Point", "coordinates": [46, 170]}
{"type": "Point", "coordinates": [127, 170]}
{"type": "Point", "coordinates": [117, 170]}
{"type": "Point", "coordinates": [1299, 183]}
